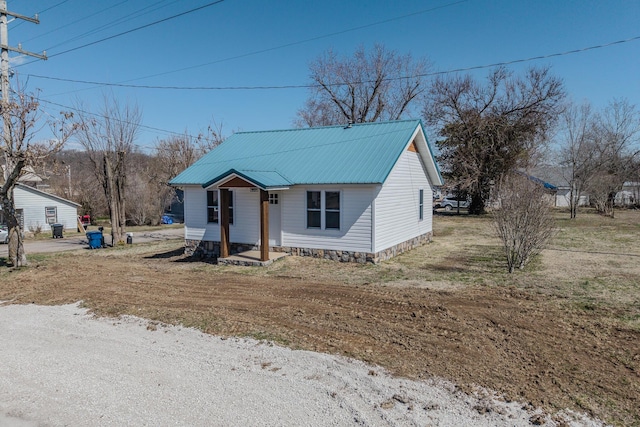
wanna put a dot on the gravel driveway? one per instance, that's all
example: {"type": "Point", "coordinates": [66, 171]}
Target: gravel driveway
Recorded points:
{"type": "Point", "coordinates": [61, 366]}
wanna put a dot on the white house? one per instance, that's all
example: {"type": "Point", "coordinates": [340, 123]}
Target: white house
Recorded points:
{"type": "Point", "coordinates": [556, 180]}
{"type": "Point", "coordinates": [358, 193]}
{"type": "Point", "coordinates": [629, 195]}
{"type": "Point", "coordinates": [37, 209]}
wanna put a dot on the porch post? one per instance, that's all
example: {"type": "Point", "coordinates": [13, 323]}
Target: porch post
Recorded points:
{"type": "Point", "coordinates": [264, 225]}
{"type": "Point", "coordinates": [225, 246]}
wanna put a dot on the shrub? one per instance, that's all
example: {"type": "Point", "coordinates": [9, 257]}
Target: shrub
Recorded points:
{"type": "Point", "coordinates": [523, 220]}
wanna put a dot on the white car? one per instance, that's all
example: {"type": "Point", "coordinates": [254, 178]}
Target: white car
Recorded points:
{"type": "Point", "coordinates": [4, 235]}
{"type": "Point", "coordinates": [451, 202]}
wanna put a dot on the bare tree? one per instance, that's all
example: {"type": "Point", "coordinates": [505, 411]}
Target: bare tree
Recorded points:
{"type": "Point", "coordinates": [616, 145]}
{"type": "Point", "coordinates": [109, 137]}
{"type": "Point", "coordinates": [210, 138]}
{"type": "Point", "coordinates": [367, 87]}
{"type": "Point", "coordinates": [577, 155]}
{"type": "Point", "coordinates": [75, 180]}
{"type": "Point", "coordinates": [523, 221]}
{"type": "Point", "coordinates": [21, 116]}
{"type": "Point", "coordinates": [175, 154]}
{"type": "Point", "coordinates": [149, 203]}
{"type": "Point", "coordinates": [489, 130]}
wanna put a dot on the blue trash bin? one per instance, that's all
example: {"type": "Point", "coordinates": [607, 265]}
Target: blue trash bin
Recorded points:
{"type": "Point", "coordinates": [95, 239]}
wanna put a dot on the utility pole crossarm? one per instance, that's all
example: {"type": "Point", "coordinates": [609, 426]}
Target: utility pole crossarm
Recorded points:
{"type": "Point", "coordinates": [4, 56]}
{"type": "Point", "coordinates": [35, 19]}
{"type": "Point", "coordinates": [4, 42]}
{"type": "Point", "coordinates": [24, 52]}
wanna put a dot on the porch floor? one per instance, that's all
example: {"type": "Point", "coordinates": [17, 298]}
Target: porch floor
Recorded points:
{"type": "Point", "coordinates": [250, 258]}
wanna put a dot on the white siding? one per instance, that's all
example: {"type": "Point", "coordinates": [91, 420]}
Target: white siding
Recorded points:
{"type": "Point", "coordinates": [246, 217]}
{"type": "Point", "coordinates": [563, 196]}
{"type": "Point", "coordinates": [355, 219]}
{"type": "Point", "coordinates": [195, 216]}
{"type": "Point", "coordinates": [246, 226]}
{"type": "Point", "coordinates": [396, 207]}
{"type": "Point", "coordinates": [33, 204]}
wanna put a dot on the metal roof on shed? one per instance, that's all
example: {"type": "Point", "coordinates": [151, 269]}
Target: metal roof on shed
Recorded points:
{"type": "Point", "coordinates": [356, 154]}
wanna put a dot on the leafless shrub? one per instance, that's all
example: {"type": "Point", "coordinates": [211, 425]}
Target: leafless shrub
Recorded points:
{"type": "Point", "coordinates": [36, 230]}
{"type": "Point", "coordinates": [523, 220]}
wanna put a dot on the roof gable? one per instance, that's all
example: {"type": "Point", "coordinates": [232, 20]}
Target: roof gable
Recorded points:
{"type": "Point", "coordinates": [355, 154]}
{"type": "Point", "coordinates": [47, 195]}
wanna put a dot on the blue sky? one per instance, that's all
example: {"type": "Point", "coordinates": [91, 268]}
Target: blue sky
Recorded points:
{"type": "Point", "coordinates": [271, 43]}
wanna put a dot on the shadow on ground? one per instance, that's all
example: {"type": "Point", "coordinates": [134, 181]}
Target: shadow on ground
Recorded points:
{"type": "Point", "coordinates": [170, 254]}
{"type": "Point", "coordinates": [179, 256]}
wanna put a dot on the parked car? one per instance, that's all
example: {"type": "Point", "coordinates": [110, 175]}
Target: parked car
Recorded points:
{"type": "Point", "coordinates": [451, 202]}
{"type": "Point", "coordinates": [4, 235]}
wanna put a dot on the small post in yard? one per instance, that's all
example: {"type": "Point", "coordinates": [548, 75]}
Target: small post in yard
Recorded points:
{"type": "Point", "coordinates": [264, 225]}
{"type": "Point", "coordinates": [224, 223]}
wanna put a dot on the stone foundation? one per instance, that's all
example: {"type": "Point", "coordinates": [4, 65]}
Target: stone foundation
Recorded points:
{"type": "Point", "coordinates": [403, 247]}
{"type": "Point", "coordinates": [208, 249]}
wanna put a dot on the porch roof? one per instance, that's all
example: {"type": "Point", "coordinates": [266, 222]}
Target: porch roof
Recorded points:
{"type": "Point", "coordinates": [261, 179]}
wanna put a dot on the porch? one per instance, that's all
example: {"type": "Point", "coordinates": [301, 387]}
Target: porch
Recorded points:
{"type": "Point", "coordinates": [251, 258]}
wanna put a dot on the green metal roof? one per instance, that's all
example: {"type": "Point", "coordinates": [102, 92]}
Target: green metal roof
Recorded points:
{"type": "Point", "coordinates": [356, 154]}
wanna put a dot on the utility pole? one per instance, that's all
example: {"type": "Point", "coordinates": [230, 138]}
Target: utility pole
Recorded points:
{"type": "Point", "coordinates": [4, 67]}
{"type": "Point", "coordinates": [69, 176]}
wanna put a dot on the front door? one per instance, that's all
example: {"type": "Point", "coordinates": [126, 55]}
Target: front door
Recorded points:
{"type": "Point", "coordinates": [275, 226]}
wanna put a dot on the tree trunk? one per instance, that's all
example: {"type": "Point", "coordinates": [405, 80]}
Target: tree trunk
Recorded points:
{"type": "Point", "coordinates": [610, 202]}
{"type": "Point", "coordinates": [477, 202]}
{"type": "Point", "coordinates": [112, 200]}
{"type": "Point", "coordinates": [120, 182]}
{"type": "Point", "coordinates": [17, 256]}
{"type": "Point", "coordinates": [573, 202]}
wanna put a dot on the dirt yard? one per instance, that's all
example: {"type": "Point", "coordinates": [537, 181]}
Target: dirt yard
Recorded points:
{"type": "Point", "coordinates": [564, 333]}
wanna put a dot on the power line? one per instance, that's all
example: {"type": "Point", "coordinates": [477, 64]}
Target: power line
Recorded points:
{"type": "Point", "coordinates": [53, 7]}
{"type": "Point", "coordinates": [137, 28]}
{"type": "Point", "coordinates": [129, 31]}
{"type": "Point", "coordinates": [312, 86]}
{"type": "Point", "coordinates": [396, 18]}
{"type": "Point", "coordinates": [43, 11]}
{"type": "Point", "coordinates": [270, 49]}
{"type": "Point", "coordinates": [79, 110]}
{"type": "Point", "coordinates": [73, 23]}
{"type": "Point", "coordinates": [111, 23]}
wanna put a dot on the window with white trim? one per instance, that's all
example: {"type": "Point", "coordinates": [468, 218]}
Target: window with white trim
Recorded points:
{"type": "Point", "coordinates": [332, 210]}
{"type": "Point", "coordinates": [323, 210]}
{"type": "Point", "coordinates": [421, 205]}
{"type": "Point", "coordinates": [213, 206]}
{"type": "Point", "coordinates": [51, 214]}
{"type": "Point", "coordinates": [314, 209]}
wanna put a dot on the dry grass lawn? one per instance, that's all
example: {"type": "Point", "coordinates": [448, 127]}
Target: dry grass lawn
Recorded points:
{"type": "Point", "coordinates": [563, 333]}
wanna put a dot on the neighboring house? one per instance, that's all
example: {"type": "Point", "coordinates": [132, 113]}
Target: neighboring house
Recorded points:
{"type": "Point", "coordinates": [175, 210]}
{"type": "Point", "coordinates": [555, 178]}
{"type": "Point", "coordinates": [629, 195]}
{"type": "Point", "coordinates": [37, 209]}
{"type": "Point", "coordinates": [359, 193]}
{"type": "Point", "coordinates": [27, 177]}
